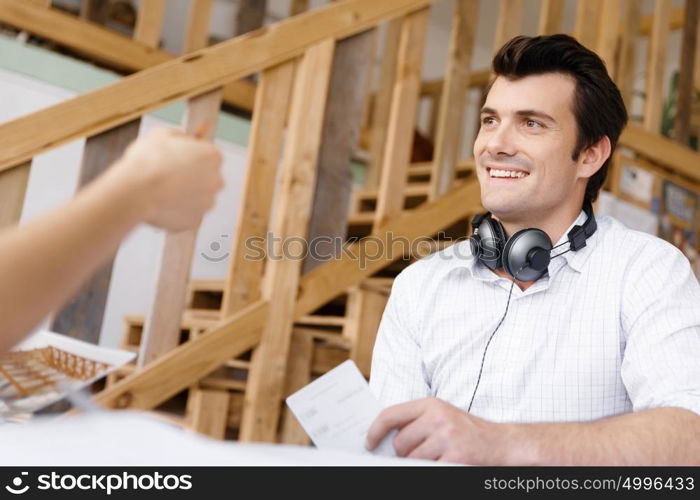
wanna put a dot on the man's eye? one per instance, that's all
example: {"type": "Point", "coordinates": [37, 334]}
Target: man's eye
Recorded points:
{"type": "Point", "coordinates": [488, 120]}
{"type": "Point", "coordinates": [533, 124]}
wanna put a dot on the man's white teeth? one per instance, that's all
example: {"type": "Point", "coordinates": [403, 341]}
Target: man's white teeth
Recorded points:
{"type": "Point", "coordinates": [507, 173]}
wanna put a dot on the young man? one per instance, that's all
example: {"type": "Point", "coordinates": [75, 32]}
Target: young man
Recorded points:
{"type": "Point", "coordinates": [595, 362]}
{"type": "Point", "coordinates": [167, 179]}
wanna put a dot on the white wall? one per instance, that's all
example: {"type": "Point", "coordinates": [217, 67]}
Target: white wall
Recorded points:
{"type": "Point", "coordinates": [53, 181]}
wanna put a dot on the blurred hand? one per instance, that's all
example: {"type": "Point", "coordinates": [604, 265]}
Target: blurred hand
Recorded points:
{"type": "Point", "coordinates": [174, 176]}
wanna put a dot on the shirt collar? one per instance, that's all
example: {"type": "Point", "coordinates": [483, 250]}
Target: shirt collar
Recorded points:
{"type": "Point", "coordinates": [575, 260]}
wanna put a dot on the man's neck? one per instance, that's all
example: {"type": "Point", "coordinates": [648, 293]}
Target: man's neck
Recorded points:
{"type": "Point", "coordinates": [555, 225]}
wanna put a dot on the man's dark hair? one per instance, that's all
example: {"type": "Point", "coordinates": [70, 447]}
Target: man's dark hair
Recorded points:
{"type": "Point", "coordinates": [598, 106]}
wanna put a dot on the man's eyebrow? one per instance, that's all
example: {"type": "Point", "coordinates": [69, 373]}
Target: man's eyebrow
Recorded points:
{"type": "Point", "coordinates": [488, 111]}
{"type": "Point", "coordinates": [535, 113]}
{"type": "Point", "coordinates": [525, 112]}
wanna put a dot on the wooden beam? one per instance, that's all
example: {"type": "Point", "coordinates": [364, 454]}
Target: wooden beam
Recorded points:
{"type": "Point", "coordinates": [149, 22]}
{"type": "Point", "coordinates": [13, 187]}
{"type": "Point", "coordinates": [676, 22]}
{"type": "Point", "coordinates": [402, 117]}
{"type": "Point", "coordinates": [333, 278]}
{"type": "Point", "coordinates": [237, 334]}
{"type": "Point", "coordinates": [587, 22]}
{"type": "Point", "coordinates": [656, 65]}
{"type": "Point", "coordinates": [341, 131]}
{"type": "Point", "coordinates": [193, 74]}
{"type": "Point", "coordinates": [686, 88]}
{"type": "Point", "coordinates": [81, 35]}
{"type": "Point", "coordinates": [293, 208]}
{"type": "Point", "coordinates": [550, 17]}
{"type": "Point", "coordinates": [175, 371]}
{"type": "Point", "coordinates": [453, 101]}
{"type": "Point", "coordinates": [382, 102]}
{"type": "Point", "coordinates": [243, 280]}
{"type": "Point", "coordinates": [82, 317]}
{"type": "Point", "coordinates": [510, 14]}
{"type": "Point", "coordinates": [662, 151]}
{"type": "Point", "coordinates": [607, 45]}
{"type": "Point", "coordinates": [103, 45]}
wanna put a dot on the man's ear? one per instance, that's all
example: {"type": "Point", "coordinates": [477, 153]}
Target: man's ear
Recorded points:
{"type": "Point", "coordinates": [592, 158]}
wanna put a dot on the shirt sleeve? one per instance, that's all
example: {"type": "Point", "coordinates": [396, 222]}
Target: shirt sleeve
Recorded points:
{"type": "Point", "coordinates": [661, 318]}
{"type": "Point", "coordinates": [398, 374]}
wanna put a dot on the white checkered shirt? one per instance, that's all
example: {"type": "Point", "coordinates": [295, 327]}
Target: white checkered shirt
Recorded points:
{"type": "Point", "coordinates": [612, 328]}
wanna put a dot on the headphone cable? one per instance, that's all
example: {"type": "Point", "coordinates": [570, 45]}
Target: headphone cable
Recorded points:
{"type": "Point", "coordinates": [510, 293]}
{"type": "Point", "coordinates": [483, 358]}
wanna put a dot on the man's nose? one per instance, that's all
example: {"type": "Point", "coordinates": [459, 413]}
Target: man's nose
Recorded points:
{"type": "Point", "coordinates": [500, 142]}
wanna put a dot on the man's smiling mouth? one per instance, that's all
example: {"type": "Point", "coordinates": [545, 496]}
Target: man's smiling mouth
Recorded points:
{"type": "Point", "coordinates": [500, 173]}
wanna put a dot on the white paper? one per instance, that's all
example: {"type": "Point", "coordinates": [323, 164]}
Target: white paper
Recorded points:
{"type": "Point", "coordinates": [126, 438]}
{"type": "Point", "coordinates": [337, 409]}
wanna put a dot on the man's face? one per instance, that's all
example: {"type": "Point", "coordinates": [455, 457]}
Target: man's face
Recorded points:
{"type": "Point", "coordinates": [524, 147]}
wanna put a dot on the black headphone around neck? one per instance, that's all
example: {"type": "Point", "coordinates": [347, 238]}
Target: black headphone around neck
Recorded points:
{"type": "Point", "coordinates": [528, 252]}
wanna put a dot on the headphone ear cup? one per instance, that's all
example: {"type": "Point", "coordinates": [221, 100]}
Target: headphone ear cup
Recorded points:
{"type": "Point", "coordinates": [527, 253]}
{"type": "Point", "coordinates": [492, 238]}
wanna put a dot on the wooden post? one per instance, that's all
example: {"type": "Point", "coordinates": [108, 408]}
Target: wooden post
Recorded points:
{"type": "Point", "coordinates": [628, 50]}
{"type": "Point", "coordinates": [607, 46]}
{"type": "Point", "coordinates": [95, 10]}
{"type": "Point", "coordinates": [402, 117]}
{"type": "Point", "coordinates": [550, 17]}
{"type": "Point", "coordinates": [82, 317]}
{"type": "Point", "coordinates": [587, 22]}
{"type": "Point", "coordinates": [687, 71]}
{"type": "Point", "coordinates": [209, 411]}
{"type": "Point", "coordinates": [197, 34]}
{"type": "Point", "coordinates": [266, 377]}
{"type": "Point", "coordinates": [298, 375]}
{"type": "Point", "coordinates": [454, 97]}
{"type": "Point", "coordinates": [510, 14]}
{"type": "Point", "coordinates": [365, 308]}
{"type": "Point", "coordinates": [13, 186]}
{"type": "Point", "coordinates": [149, 22]}
{"type": "Point", "coordinates": [245, 274]}
{"type": "Point", "coordinates": [341, 131]}
{"type": "Point", "coordinates": [298, 6]}
{"type": "Point", "coordinates": [162, 329]}
{"type": "Point", "coordinates": [382, 103]}
{"type": "Point", "coordinates": [653, 107]}
{"type": "Point", "coordinates": [250, 15]}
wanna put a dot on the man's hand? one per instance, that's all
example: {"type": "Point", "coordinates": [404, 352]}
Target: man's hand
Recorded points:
{"type": "Point", "coordinates": [173, 176]}
{"type": "Point", "coordinates": [432, 429]}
